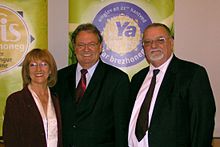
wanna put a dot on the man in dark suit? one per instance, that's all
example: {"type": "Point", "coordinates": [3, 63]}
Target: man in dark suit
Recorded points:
{"type": "Point", "coordinates": [182, 108]}
{"type": "Point", "coordinates": [100, 117]}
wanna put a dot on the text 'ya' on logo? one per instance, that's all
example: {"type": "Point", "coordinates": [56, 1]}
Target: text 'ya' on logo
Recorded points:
{"type": "Point", "coordinates": [122, 25]}
{"type": "Point", "coordinates": [14, 38]}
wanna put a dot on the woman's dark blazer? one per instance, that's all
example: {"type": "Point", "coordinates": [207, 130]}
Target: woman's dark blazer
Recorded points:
{"type": "Point", "coordinates": [23, 124]}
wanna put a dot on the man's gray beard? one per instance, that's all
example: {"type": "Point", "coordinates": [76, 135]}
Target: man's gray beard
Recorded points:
{"type": "Point", "coordinates": [156, 57]}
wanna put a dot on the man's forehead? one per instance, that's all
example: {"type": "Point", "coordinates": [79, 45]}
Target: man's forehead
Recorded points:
{"type": "Point", "coordinates": [155, 33]}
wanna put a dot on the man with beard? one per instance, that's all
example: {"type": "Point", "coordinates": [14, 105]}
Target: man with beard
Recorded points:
{"type": "Point", "coordinates": [174, 104]}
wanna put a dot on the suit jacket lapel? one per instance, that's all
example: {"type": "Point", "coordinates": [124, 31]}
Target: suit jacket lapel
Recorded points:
{"type": "Point", "coordinates": [96, 78]}
{"type": "Point", "coordinates": [29, 101]}
{"type": "Point", "coordinates": [166, 89]}
{"type": "Point", "coordinates": [72, 82]}
{"type": "Point", "coordinates": [93, 90]}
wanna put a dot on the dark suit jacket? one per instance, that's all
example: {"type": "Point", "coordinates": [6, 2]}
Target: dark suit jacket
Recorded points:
{"type": "Point", "coordinates": [101, 118]}
{"type": "Point", "coordinates": [23, 125]}
{"type": "Point", "coordinates": [184, 111]}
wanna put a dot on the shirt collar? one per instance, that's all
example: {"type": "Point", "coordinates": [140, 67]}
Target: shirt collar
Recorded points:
{"type": "Point", "coordinates": [90, 70]}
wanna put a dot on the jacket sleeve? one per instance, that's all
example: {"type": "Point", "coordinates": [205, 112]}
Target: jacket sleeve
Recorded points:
{"type": "Point", "coordinates": [202, 108]}
{"type": "Point", "coordinates": [10, 124]}
{"type": "Point", "coordinates": [122, 108]}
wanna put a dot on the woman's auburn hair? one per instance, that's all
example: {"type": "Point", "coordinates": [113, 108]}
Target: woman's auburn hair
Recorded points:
{"type": "Point", "coordinates": [39, 54]}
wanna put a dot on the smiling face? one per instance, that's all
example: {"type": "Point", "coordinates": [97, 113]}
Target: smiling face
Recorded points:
{"type": "Point", "coordinates": [158, 45]}
{"type": "Point", "coordinates": [87, 49]}
{"type": "Point", "coordinates": [39, 72]}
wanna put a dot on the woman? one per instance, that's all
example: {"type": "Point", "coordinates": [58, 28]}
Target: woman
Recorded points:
{"type": "Point", "coordinates": [32, 115]}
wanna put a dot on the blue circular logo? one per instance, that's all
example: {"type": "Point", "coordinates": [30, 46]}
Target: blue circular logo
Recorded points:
{"type": "Point", "coordinates": [122, 25]}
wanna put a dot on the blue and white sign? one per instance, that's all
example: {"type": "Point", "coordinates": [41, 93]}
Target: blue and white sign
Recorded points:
{"type": "Point", "coordinates": [122, 25]}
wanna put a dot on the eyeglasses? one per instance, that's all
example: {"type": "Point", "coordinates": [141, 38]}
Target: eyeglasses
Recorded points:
{"type": "Point", "coordinates": [157, 41]}
{"type": "Point", "coordinates": [89, 45]}
{"type": "Point", "coordinates": [42, 64]}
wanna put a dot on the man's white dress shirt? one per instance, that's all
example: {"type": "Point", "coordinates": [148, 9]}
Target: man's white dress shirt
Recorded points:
{"type": "Point", "coordinates": [132, 140]}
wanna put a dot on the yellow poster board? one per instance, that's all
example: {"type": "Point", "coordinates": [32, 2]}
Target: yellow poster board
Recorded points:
{"type": "Point", "coordinates": [121, 24]}
{"type": "Point", "coordinates": [22, 27]}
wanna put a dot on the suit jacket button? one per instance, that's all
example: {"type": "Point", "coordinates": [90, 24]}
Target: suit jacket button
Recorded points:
{"type": "Point", "coordinates": [74, 126]}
